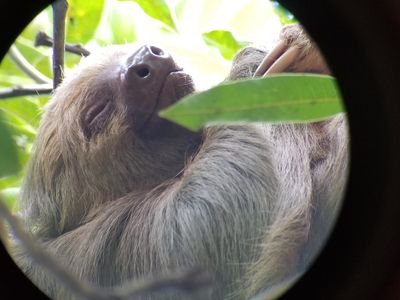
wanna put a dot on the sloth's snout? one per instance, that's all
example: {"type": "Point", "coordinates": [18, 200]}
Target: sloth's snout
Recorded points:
{"type": "Point", "coordinates": [150, 63]}
{"type": "Point", "coordinates": [149, 77]}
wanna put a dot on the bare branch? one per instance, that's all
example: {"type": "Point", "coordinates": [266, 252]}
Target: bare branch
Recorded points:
{"type": "Point", "coordinates": [42, 39]}
{"type": "Point", "coordinates": [60, 8]}
{"type": "Point", "coordinates": [20, 61]}
{"type": "Point", "coordinates": [189, 282]}
{"type": "Point", "coordinates": [26, 90]}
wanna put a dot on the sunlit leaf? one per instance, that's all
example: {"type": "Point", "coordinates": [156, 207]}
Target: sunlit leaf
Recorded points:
{"type": "Point", "coordinates": [10, 197]}
{"type": "Point", "coordinates": [179, 7]}
{"type": "Point", "coordinates": [42, 22]}
{"type": "Point", "coordinates": [9, 182]}
{"type": "Point", "coordinates": [9, 163]}
{"type": "Point", "coordinates": [158, 9]}
{"type": "Point", "coordinates": [10, 72]}
{"type": "Point", "coordinates": [8, 79]}
{"type": "Point", "coordinates": [83, 19]}
{"type": "Point", "coordinates": [285, 16]}
{"type": "Point", "coordinates": [277, 98]}
{"type": "Point", "coordinates": [122, 23]}
{"type": "Point", "coordinates": [22, 108]}
{"type": "Point", "coordinates": [38, 57]}
{"type": "Point", "coordinates": [224, 41]}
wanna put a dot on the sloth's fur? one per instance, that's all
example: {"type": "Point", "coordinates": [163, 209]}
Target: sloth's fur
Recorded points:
{"type": "Point", "coordinates": [251, 204]}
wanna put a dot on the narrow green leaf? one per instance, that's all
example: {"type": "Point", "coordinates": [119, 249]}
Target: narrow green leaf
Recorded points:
{"type": "Point", "coordinates": [276, 98]}
{"type": "Point", "coordinates": [9, 163]}
{"type": "Point", "coordinates": [27, 111]}
{"type": "Point", "coordinates": [83, 19]}
{"type": "Point", "coordinates": [285, 16]}
{"type": "Point", "coordinates": [9, 182]}
{"type": "Point", "coordinates": [10, 197]}
{"type": "Point", "coordinates": [224, 41]}
{"type": "Point", "coordinates": [158, 9]}
{"type": "Point", "coordinates": [37, 56]}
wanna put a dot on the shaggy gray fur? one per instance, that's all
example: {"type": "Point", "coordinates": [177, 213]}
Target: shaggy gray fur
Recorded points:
{"type": "Point", "coordinates": [252, 206]}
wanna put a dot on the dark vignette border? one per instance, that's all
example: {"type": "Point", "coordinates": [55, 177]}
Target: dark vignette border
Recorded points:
{"type": "Point", "coordinates": [360, 42]}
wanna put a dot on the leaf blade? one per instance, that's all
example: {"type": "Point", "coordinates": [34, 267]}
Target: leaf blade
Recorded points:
{"type": "Point", "coordinates": [159, 10]}
{"type": "Point", "coordinates": [9, 163]}
{"type": "Point", "coordinates": [83, 19]}
{"type": "Point", "coordinates": [276, 98]}
{"type": "Point", "coordinates": [224, 41]}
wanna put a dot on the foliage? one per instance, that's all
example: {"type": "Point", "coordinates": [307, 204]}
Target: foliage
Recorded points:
{"type": "Point", "coordinates": [310, 98]}
{"type": "Point", "coordinates": [284, 15]}
{"type": "Point", "coordinates": [83, 16]}
{"type": "Point", "coordinates": [159, 10]}
{"type": "Point", "coordinates": [8, 160]}
{"type": "Point", "coordinates": [203, 34]}
{"type": "Point", "coordinates": [225, 42]}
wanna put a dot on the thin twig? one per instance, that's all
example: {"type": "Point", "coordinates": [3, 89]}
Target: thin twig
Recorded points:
{"type": "Point", "coordinates": [42, 39]}
{"type": "Point", "coordinates": [19, 60]}
{"type": "Point", "coordinates": [60, 8]}
{"type": "Point", "coordinates": [26, 90]}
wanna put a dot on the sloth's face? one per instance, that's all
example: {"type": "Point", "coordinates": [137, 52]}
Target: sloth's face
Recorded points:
{"type": "Point", "coordinates": [151, 80]}
{"type": "Point", "coordinates": [122, 89]}
{"type": "Point", "coordinates": [103, 119]}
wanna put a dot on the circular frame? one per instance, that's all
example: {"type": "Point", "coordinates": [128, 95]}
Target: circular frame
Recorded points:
{"type": "Point", "coordinates": [360, 42]}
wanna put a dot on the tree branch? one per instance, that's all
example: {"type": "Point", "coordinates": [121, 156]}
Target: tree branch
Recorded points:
{"type": "Point", "coordinates": [19, 60]}
{"type": "Point", "coordinates": [187, 282]}
{"type": "Point", "coordinates": [26, 90]}
{"type": "Point", "coordinates": [60, 8]}
{"type": "Point", "coordinates": [42, 39]}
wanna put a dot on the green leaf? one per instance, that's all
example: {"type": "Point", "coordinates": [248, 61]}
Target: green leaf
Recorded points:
{"type": "Point", "coordinates": [9, 163]}
{"type": "Point", "coordinates": [122, 23]}
{"type": "Point", "coordinates": [285, 16]}
{"type": "Point", "coordinates": [9, 182]}
{"type": "Point", "coordinates": [12, 75]}
{"type": "Point", "coordinates": [276, 98]}
{"type": "Point", "coordinates": [224, 41]}
{"type": "Point", "coordinates": [42, 22]}
{"type": "Point", "coordinates": [39, 57]}
{"type": "Point", "coordinates": [83, 19]}
{"type": "Point", "coordinates": [158, 9]}
{"type": "Point", "coordinates": [10, 197]}
{"type": "Point", "coordinates": [24, 109]}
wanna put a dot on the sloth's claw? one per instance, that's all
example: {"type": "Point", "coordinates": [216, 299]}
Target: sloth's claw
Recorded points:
{"type": "Point", "coordinates": [294, 52]}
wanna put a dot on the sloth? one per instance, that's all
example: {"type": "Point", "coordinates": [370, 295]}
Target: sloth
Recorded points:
{"type": "Point", "coordinates": [116, 193]}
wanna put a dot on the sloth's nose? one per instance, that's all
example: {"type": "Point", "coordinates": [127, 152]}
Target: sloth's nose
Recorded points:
{"type": "Point", "coordinates": [150, 62]}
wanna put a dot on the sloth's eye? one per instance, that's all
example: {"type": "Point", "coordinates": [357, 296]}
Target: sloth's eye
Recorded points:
{"type": "Point", "coordinates": [96, 118]}
{"type": "Point", "coordinates": [96, 112]}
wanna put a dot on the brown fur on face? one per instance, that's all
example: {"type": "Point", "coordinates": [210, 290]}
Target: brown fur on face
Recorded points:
{"type": "Point", "coordinates": [114, 201]}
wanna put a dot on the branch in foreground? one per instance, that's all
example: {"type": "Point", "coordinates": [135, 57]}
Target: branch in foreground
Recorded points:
{"type": "Point", "coordinates": [188, 282]}
{"type": "Point", "coordinates": [42, 39]}
{"type": "Point", "coordinates": [60, 8]}
{"type": "Point", "coordinates": [26, 90]}
{"type": "Point", "coordinates": [19, 60]}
